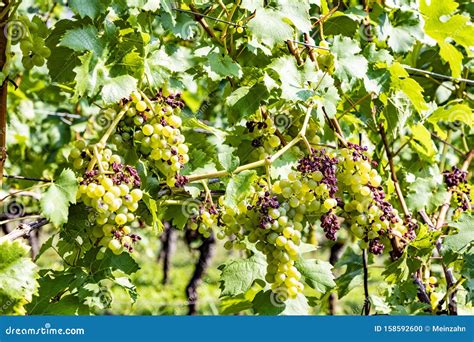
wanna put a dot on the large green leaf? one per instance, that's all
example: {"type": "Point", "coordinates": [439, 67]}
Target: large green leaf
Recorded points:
{"type": "Point", "coordinates": [317, 274]}
{"type": "Point", "coordinates": [55, 202]}
{"type": "Point", "coordinates": [237, 276]}
{"type": "Point", "coordinates": [270, 303]}
{"type": "Point", "coordinates": [88, 8]}
{"type": "Point", "coordinates": [349, 62]}
{"type": "Point", "coordinates": [462, 241]}
{"type": "Point", "coordinates": [83, 39]}
{"type": "Point", "coordinates": [352, 277]}
{"type": "Point", "coordinates": [401, 81]}
{"type": "Point", "coordinates": [245, 101]}
{"type": "Point", "coordinates": [442, 24]}
{"type": "Point", "coordinates": [219, 67]}
{"type": "Point", "coordinates": [295, 81]}
{"type": "Point", "coordinates": [422, 141]}
{"type": "Point", "coordinates": [118, 88]}
{"type": "Point", "coordinates": [17, 276]}
{"type": "Point", "coordinates": [269, 27]}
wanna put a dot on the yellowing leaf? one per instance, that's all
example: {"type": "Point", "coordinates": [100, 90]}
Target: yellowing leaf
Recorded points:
{"type": "Point", "coordinates": [422, 141]}
{"type": "Point", "coordinates": [457, 27]}
{"type": "Point", "coordinates": [401, 81]}
{"type": "Point", "coordinates": [458, 112]}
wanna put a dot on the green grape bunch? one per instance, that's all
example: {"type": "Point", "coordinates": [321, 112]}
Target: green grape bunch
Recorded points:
{"type": "Point", "coordinates": [370, 216]}
{"type": "Point", "coordinates": [112, 190]}
{"type": "Point", "coordinates": [264, 221]}
{"type": "Point", "coordinates": [264, 138]}
{"type": "Point", "coordinates": [155, 128]}
{"type": "Point", "coordinates": [31, 35]}
{"type": "Point", "coordinates": [205, 219]}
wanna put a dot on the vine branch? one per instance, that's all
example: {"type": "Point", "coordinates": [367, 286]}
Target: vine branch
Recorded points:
{"type": "Point", "coordinates": [23, 230]}
{"type": "Point", "coordinates": [366, 307]}
{"type": "Point", "coordinates": [28, 178]}
{"type": "Point", "coordinates": [258, 163]}
{"type": "Point", "coordinates": [393, 172]}
{"type": "Point", "coordinates": [448, 272]}
{"type": "Point", "coordinates": [3, 90]}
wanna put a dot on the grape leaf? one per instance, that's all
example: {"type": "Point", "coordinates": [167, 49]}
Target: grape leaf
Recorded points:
{"type": "Point", "coordinates": [269, 27]}
{"type": "Point", "coordinates": [244, 101]}
{"type": "Point", "coordinates": [17, 275]}
{"type": "Point", "coordinates": [88, 8]}
{"type": "Point", "coordinates": [179, 215]}
{"type": "Point", "coordinates": [349, 62]}
{"type": "Point", "coordinates": [462, 241]}
{"type": "Point", "coordinates": [401, 81]}
{"type": "Point", "coordinates": [340, 24]}
{"type": "Point", "coordinates": [398, 271]}
{"type": "Point", "coordinates": [110, 262]}
{"type": "Point", "coordinates": [83, 39]}
{"type": "Point", "coordinates": [295, 80]}
{"type": "Point", "coordinates": [50, 285]}
{"type": "Point", "coordinates": [458, 112]}
{"type": "Point", "coordinates": [226, 156]}
{"type": "Point", "coordinates": [237, 276]}
{"type": "Point", "coordinates": [239, 187]}
{"type": "Point", "coordinates": [55, 202]}
{"type": "Point", "coordinates": [118, 88]}
{"type": "Point", "coordinates": [442, 25]}
{"type": "Point", "coordinates": [297, 12]}
{"type": "Point", "coordinates": [317, 274]}
{"type": "Point", "coordinates": [426, 193]}
{"type": "Point", "coordinates": [352, 277]}
{"type": "Point", "coordinates": [267, 303]}
{"type": "Point", "coordinates": [252, 5]}
{"type": "Point", "coordinates": [468, 273]}
{"type": "Point", "coordinates": [151, 5]}
{"type": "Point", "coordinates": [402, 31]}
{"type": "Point", "coordinates": [422, 141]}
{"type": "Point", "coordinates": [219, 67]}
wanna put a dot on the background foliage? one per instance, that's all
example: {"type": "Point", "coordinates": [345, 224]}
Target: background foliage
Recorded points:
{"type": "Point", "coordinates": [391, 75]}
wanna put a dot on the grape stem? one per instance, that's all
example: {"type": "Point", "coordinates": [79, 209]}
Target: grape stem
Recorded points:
{"type": "Point", "coordinates": [147, 101]}
{"type": "Point", "coordinates": [208, 195]}
{"type": "Point", "coordinates": [336, 128]}
{"type": "Point", "coordinates": [103, 141]}
{"type": "Point", "coordinates": [259, 163]}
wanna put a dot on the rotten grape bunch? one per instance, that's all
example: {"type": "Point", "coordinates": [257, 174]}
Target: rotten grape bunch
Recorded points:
{"type": "Point", "coordinates": [299, 157]}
